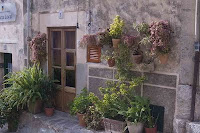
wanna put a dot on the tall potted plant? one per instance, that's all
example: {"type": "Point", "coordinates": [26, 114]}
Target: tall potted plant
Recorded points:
{"type": "Point", "coordinates": [80, 105]}
{"type": "Point", "coordinates": [116, 30]}
{"type": "Point", "coordinates": [150, 124]}
{"type": "Point", "coordinates": [49, 93]}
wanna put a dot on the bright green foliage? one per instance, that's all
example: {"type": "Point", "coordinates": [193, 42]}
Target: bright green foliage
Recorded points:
{"type": "Point", "coordinates": [137, 109]}
{"type": "Point", "coordinates": [116, 28]}
{"type": "Point", "coordinates": [81, 103]}
{"type": "Point", "coordinates": [142, 28]}
{"type": "Point", "coordinates": [115, 98]}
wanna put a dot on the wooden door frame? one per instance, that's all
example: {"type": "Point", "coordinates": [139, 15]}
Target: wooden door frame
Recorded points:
{"type": "Point", "coordinates": [63, 57]}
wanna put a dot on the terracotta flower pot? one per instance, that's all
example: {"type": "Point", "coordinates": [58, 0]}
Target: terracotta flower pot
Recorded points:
{"type": "Point", "coordinates": [135, 127]}
{"type": "Point", "coordinates": [116, 43]}
{"type": "Point", "coordinates": [114, 126]}
{"type": "Point", "coordinates": [35, 107]}
{"type": "Point", "coordinates": [49, 111]}
{"type": "Point", "coordinates": [163, 58]}
{"type": "Point", "coordinates": [137, 59]}
{"type": "Point", "coordinates": [111, 62]}
{"type": "Point", "coordinates": [151, 130]}
{"type": "Point", "coordinates": [81, 120]}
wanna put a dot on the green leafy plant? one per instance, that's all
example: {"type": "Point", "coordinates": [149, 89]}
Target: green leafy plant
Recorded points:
{"type": "Point", "coordinates": [108, 55]}
{"type": "Point", "coordinates": [123, 63]}
{"type": "Point", "coordinates": [81, 103]}
{"type": "Point", "coordinates": [93, 118]}
{"type": "Point", "coordinates": [116, 28]}
{"type": "Point", "coordinates": [29, 84]}
{"type": "Point", "coordinates": [114, 98]}
{"type": "Point", "coordinates": [142, 28]}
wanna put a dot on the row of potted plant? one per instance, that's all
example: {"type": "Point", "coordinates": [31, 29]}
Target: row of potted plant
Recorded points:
{"type": "Point", "coordinates": [157, 36]}
{"type": "Point", "coordinates": [118, 109]}
{"type": "Point", "coordinates": [29, 88]}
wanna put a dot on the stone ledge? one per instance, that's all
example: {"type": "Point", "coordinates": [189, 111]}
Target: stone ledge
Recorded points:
{"type": "Point", "coordinates": [59, 123]}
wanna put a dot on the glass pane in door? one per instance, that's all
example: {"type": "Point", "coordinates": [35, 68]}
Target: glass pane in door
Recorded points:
{"type": "Point", "coordinates": [70, 78]}
{"type": "Point", "coordinates": [56, 39]}
{"type": "Point", "coordinates": [70, 59]}
{"type": "Point", "coordinates": [70, 39]}
{"type": "Point", "coordinates": [57, 75]}
{"type": "Point", "coordinates": [56, 57]}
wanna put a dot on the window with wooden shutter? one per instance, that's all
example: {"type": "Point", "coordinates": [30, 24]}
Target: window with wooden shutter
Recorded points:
{"type": "Point", "coordinates": [93, 54]}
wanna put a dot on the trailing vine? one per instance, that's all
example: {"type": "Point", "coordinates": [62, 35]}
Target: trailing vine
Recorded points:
{"type": "Point", "coordinates": [123, 63]}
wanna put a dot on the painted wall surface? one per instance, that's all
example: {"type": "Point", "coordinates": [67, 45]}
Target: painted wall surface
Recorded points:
{"type": "Point", "coordinates": [180, 14]}
{"type": "Point", "coordinates": [12, 38]}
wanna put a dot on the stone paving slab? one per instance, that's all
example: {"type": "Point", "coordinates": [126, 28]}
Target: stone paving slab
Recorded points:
{"type": "Point", "coordinates": [59, 123]}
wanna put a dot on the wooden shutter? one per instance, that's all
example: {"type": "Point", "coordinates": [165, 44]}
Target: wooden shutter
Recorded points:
{"type": "Point", "coordinates": [93, 54]}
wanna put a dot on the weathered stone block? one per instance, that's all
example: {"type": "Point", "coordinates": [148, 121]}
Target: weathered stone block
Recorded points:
{"type": "Point", "coordinates": [161, 79]}
{"type": "Point", "coordinates": [180, 125]}
{"type": "Point", "coordinates": [163, 97]}
{"type": "Point", "coordinates": [135, 74]}
{"type": "Point", "coordinates": [183, 101]}
{"type": "Point", "coordinates": [95, 83]}
{"type": "Point", "coordinates": [101, 72]}
{"type": "Point", "coordinates": [193, 127]}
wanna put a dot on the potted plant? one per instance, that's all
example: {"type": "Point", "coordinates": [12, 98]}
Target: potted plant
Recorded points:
{"type": "Point", "coordinates": [9, 109]}
{"type": "Point", "coordinates": [160, 39]}
{"type": "Point", "coordinates": [150, 126]}
{"type": "Point", "coordinates": [114, 100]}
{"type": "Point", "coordinates": [116, 30]}
{"type": "Point", "coordinates": [135, 115]}
{"type": "Point", "coordinates": [49, 94]}
{"type": "Point", "coordinates": [80, 105]}
{"type": "Point", "coordinates": [104, 38]}
{"type": "Point", "coordinates": [30, 83]}
{"type": "Point", "coordinates": [38, 48]}
{"type": "Point", "coordinates": [93, 118]}
{"type": "Point", "coordinates": [88, 40]}
{"type": "Point", "coordinates": [109, 56]}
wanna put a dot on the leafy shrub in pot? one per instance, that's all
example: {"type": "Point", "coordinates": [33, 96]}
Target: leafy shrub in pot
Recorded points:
{"type": "Point", "coordinates": [150, 124]}
{"type": "Point", "coordinates": [80, 106]}
{"type": "Point", "coordinates": [109, 56]}
{"type": "Point", "coordinates": [116, 30]}
{"type": "Point", "coordinates": [113, 102]}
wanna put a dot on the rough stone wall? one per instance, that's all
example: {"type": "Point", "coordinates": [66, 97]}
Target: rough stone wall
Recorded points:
{"type": "Point", "coordinates": [12, 38]}
{"type": "Point", "coordinates": [180, 14]}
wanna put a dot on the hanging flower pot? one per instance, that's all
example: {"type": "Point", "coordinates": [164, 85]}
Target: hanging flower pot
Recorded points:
{"type": "Point", "coordinates": [111, 62]}
{"type": "Point", "coordinates": [151, 130]}
{"type": "Point", "coordinates": [81, 120]}
{"type": "Point", "coordinates": [135, 127]}
{"type": "Point", "coordinates": [137, 59]}
{"type": "Point", "coordinates": [116, 43]}
{"type": "Point", "coordinates": [163, 58]}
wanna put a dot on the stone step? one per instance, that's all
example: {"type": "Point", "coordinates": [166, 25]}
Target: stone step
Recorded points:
{"type": "Point", "coordinates": [193, 127]}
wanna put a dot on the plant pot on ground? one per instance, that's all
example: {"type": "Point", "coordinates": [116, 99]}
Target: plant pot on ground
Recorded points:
{"type": "Point", "coordinates": [135, 127]}
{"type": "Point", "coordinates": [151, 130]}
{"type": "Point", "coordinates": [151, 122]}
{"type": "Point", "coordinates": [114, 126]}
{"type": "Point", "coordinates": [80, 105]}
{"type": "Point", "coordinates": [49, 108]}
{"type": "Point", "coordinates": [116, 30]}
{"type": "Point", "coordinates": [35, 107]}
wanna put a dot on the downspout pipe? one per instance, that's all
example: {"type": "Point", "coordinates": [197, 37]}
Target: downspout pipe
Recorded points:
{"type": "Point", "coordinates": [28, 32]}
{"type": "Point", "coordinates": [196, 58]}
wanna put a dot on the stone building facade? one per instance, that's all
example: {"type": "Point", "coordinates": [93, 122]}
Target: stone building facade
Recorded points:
{"type": "Point", "coordinates": [168, 86]}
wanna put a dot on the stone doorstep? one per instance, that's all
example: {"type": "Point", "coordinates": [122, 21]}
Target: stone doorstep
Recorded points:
{"type": "Point", "coordinates": [193, 127]}
{"type": "Point", "coordinates": [60, 122]}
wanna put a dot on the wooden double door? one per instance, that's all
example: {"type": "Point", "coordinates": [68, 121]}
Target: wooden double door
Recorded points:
{"type": "Point", "coordinates": [62, 64]}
